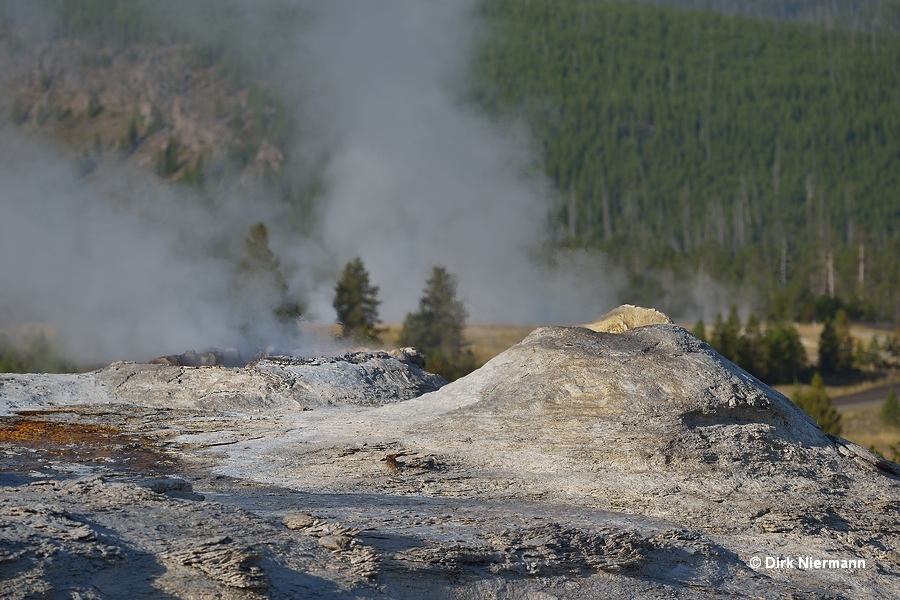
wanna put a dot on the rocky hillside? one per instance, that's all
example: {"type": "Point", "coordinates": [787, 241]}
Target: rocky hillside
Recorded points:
{"type": "Point", "coordinates": [622, 459]}
{"type": "Point", "coordinates": [166, 105]}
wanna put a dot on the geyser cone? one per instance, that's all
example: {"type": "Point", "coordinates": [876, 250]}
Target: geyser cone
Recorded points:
{"type": "Point", "coordinates": [649, 408]}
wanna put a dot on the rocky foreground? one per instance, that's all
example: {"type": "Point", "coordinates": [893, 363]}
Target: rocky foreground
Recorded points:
{"type": "Point", "coordinates": [621, 459]}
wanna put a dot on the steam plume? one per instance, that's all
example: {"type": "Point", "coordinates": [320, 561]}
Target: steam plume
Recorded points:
{"type": "Point", "coordinates": [127, 268]}
{"type": "Point", "coordinates": [419, 179]}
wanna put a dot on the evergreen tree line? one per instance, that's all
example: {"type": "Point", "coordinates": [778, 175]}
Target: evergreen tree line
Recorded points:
{"type": "Point", "coordinates": [890, 410]}
{"type": "Point", "coordinates": [815, 401]}
{"type": "Point", "coordinates": [757, 151]}
{"type": "Point", "coordinates": [866, 15]}
{"type": "Point", "coordinates": [436, 329]}
{"type": "Point", "coordinates": [776, 354]}
{"type": "Point", "coordinates": [263, 297]}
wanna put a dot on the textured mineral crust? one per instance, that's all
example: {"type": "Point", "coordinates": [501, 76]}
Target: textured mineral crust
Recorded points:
{"type": "Point", "coordinates": [621, 459]}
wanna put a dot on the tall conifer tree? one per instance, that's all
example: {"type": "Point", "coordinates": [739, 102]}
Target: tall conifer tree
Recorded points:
{"type": "Point", "coordinates": [356, 303]}
{"type": "Point", "coordinates": [437, 328]}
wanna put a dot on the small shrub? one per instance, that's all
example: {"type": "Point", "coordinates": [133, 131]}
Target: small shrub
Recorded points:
{"type": "Point", "coordinates": [890, 410]}
{"type": "Point", "coordinates": [816, 403]}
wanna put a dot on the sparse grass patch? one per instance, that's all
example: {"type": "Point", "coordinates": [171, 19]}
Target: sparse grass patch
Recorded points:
{"type": "Point", "coordinates": [863, 426]}
{"type": "Point", "coordinates": [487, 340]}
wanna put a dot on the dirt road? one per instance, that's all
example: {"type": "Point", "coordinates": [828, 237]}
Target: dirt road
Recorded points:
{"type": "Point", "coordinates": [865, 399]}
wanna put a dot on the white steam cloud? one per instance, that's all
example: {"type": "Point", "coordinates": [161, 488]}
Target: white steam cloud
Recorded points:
{"type": "Point", "coordinates": [418, 179]}
{"type": "Point", "coordinates": [124, 268]}
{"type": "Point", "coordinates": [114, 284]}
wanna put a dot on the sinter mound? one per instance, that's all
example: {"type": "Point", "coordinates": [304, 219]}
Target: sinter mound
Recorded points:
{"type": "Point", "coordinates": [625, 458]}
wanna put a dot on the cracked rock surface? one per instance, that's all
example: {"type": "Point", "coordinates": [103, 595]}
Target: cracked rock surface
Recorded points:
{"type": "Point", "coordinates": [621, 459]}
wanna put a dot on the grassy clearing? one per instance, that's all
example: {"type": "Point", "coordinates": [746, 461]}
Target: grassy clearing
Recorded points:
{"type": "Point", "coordinates": [487, 340]}
{"type": "Point", "coordinates": [863, 426]}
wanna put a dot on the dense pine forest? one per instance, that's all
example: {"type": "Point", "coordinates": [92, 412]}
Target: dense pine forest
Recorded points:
{"type": "Point", "coordinates": [756, 144]}
{"type": "Point", "coordinates": [763, 152]}
{"type": "Point", "coordinates": [877, 15]}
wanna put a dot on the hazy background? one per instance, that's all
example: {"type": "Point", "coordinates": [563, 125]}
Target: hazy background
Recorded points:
{"type": "Point", "coordinates": [125, 267]}
{"type": "Point", "coordinates": [418, 179]}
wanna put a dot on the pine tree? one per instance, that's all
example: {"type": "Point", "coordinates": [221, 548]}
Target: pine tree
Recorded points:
{"type": "Point", "coordinates": [725, 337]}
{"type": "Point", "coordinates": [828, 348]}
{"type": "Point", "coordinates": [261, 287]}
{"type": "Point", "coordinates": [40, 357]}
{"type": "Point", "coordinates": [890, 410]}
{"type": "Point", "coordinates": [845, 341]}
{"type": "Point", "coordinates": [10, 361]}
{"type": "Point", "coordinates": [700, 330]}
{"type": "Point", "coordinates": [132, 137]}
{"type": "Point", "coordinates": [751, 351]}
{"type": "Point", "coordinates": [816, 403]}
{"type": "Point", "coordinates": [167, 159]}
{"type": "Point", "coordinates": [356, 304]}
{"type": "Point", "coordinates": [836, 345]}
{"type": "Point", "coordinates": [784, 353]}
{"type": "Point", "coordinates": [437, 328]}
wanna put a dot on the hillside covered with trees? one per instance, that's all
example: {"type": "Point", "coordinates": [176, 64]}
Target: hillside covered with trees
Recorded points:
{"type": "Point", "coordinates": [753, 143]}
{"type": "Point", "coordinates": [756, 144]}
{"type": "Point", "coordinates": [763, 152]}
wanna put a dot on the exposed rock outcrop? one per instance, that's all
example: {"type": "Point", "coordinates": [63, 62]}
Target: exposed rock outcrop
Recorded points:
{"type": "Point", "coordinates": [627, 317]}
{"type": "Point", "coordinates": [266, 384]}
{"type": "Point", "coordinates": [81, 94]}
{"type": "Point", "coordinates": [577, 464]}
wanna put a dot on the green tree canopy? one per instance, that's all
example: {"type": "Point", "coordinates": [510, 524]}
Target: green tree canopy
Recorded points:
{"type": "Point", "coordinates": [751, 352]}
{"type": "Point", "coordinates": [700, 330]}
{"type": "Point", "coordinates": [890, 410]}
{"type": "Point", "coordinates": [775, 356]}
{"type": "Point", "coordinates": [726, 335]}
{"type": "Point", "coordinates": [356, 303]}
{"type": "Point", "coordinates": [261, 289]}
{"type": "Point", "coordinates": [836, 345]}
{"type": "Point", "coordinates": [437, 328]}
{"type": "Point", "coordinates": [785, 356]}
{"type": "Point", "coordinates": [816, 403]}
{"type": "Point", "coordinates": [757, 151]}
{"type": "Point", "coordinates": [32, 355]}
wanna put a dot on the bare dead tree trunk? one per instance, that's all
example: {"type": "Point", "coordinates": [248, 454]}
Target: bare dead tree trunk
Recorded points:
{"type": "Point", "coordinates": [829, 274]}
{"type": "Point", "coordinates": [607, 219]}
{"type": "Point", "coordinates": [571, 214]}
{"type": "Point", "coordinates": [782, 271]}
{"type": "Point", "coordinates": [810, 202]}
{"type": "Point", "coordinates": [589, 216]}
{"type": "Point", "coordinates": [708, 121]}
{"type": "Point", "coordinates": [861, 275]}
{"type": "Point", "coordinates": [686, 218]}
